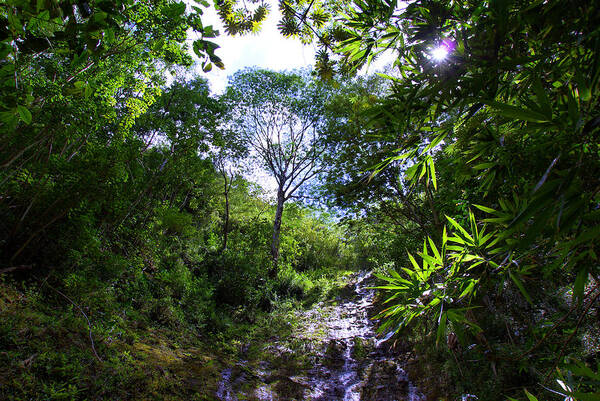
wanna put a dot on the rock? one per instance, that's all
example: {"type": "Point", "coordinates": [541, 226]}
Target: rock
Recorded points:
{"type": "Point", "coordinates": [334, 354]}
{"type": "Point", "coordinates": [384, 383]}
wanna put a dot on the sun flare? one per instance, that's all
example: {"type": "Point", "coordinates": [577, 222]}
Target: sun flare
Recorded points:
{"type": "Point", "coordinates": [439, 53]}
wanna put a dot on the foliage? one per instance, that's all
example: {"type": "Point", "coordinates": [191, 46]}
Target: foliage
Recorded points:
{"type": "Point", "coordinates": [240, 20]}
{"type": "Point", "coordinates": [280, 117]}
{"type": "Point", "coordinates": [75, 79]}
{"type": "Point", "coordinates": [84, 37]}
{"type": "Point", "coordinates": [110, 214]}
{"type": "Point", "coordinates": [508, 121]}
{"type": "Point", "coordinates": [112, 224]}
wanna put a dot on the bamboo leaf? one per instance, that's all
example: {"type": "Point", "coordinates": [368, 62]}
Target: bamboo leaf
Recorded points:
{"type": "Point", "coordinates": [434, 249]}
{"type": "Point", "coordinates": [441, 330]}
{"type": "Point", "coordinates": [486, 209]}
{"type": "Point", "coordinates": [518, 113]}
{"type": "Point", "coordinates": [432, 172]}
{"type": "Point", "coordinates": [414, 262]}
{"type": "Point", "coordinates": [542, 98]}
{"type": "Point", "coordinates": [469, 289]}
{"type": "Point", "coordinates": [579, 285]}
{"type": "Point", "coordinates": [530, 396]}
{"type": "Point", "coordinates": [458, 226]}
{"type": "Point", "coordinates": [520, 285]}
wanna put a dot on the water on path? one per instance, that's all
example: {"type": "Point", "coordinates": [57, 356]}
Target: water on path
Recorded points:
{"type": "Point", "coordinates": [336, 357]}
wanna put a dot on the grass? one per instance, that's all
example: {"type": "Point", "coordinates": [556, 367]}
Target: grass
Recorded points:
{"type": "Point", "coordinates": [46, 353]}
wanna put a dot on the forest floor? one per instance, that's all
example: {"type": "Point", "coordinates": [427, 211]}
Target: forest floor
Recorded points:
{"type": "Point", "coordinates": [323, 351]}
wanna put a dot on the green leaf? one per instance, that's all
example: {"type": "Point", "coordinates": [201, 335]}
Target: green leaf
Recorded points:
{"type": "Point", "coordinates": [24, 113]}
{"type": "Point", "coordinates": [484, 166]}
{"type": "Point", "coordinates": [485, 209]}
{"type": "Point", "coordinates": [469, 289]}
{"type": "Point", "coordinates": [414, 262]}
{"type": "Point", "coordinates": [580, 369]}
{"type": "Point", "coordinates": [423, 170]}
{"type": "Point", "coordinates": [444, 237]}
{"type": "Point", "coordinates": [518, 113]}
{"type": "Point", "coordinates": [585, 92]}
{"type": "Point", "coordinates": [430, 260]}
{"type": "Point", "coordinates": [586, 236]}
{"type": "Point", "coordinates": [469, 257]}
{"type": "Point", "coordinates": [88, 91]}
{"type": "Point", "coordinates": [441, 329]}
{"type": "Point", "coordinates": [520, 285]}
{"type": "Point", "coordinates": [432, 172]}
{"type": "Point", "coordinates": [14, 21]}
{"type": "Point", "coordinates": [580, 280]}
{"type": "Point", "coordinates": [392, 287]}
{"type": "Point", "coordinates": [542, 98]}
{"type": "Point", "coordinates": [458, 226]}
{"type": "Point", "coordinates": [174, 10]}
{"type": "Point", "coordinates": [434, 249]}
{"type": "Point", "coordinates": [530, 396]}
{"type": "Point", "coordinates": [587, 396]}
{"type": "Point", "coordinates": [411, 171]}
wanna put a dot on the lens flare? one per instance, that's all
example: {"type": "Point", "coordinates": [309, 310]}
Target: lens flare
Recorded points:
{"type": "Point", "coordinates": [439, 53]}
{"type": "Point", "coordinates": [442, 51]}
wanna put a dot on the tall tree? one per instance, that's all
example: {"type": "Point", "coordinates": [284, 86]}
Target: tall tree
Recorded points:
{"type": "Point", "coordinates": [281, 116]}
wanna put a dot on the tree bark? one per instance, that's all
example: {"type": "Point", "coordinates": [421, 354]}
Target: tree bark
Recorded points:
{"type": "Point", "coordinates": [226, 218]}
{"type": "Point", "coordinates": [227, 183]}
{"type": "Point", "coordinates": [276, 232]}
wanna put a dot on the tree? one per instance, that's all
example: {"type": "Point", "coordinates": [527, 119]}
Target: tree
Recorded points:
{"type": "Point", "coordinates": [228, 152]}
{"type": "Point", "coordinates": [183, 124]}
{"type": "Point", "coordinates": [281, 116]}
{"type": "Point", "coordinates": [355, 147]}
{"type": "Point", "coordinates": [73, 82]}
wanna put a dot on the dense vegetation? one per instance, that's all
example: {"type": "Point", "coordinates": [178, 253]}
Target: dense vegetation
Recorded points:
{"type": "Point", "coordinates": [132, 237]}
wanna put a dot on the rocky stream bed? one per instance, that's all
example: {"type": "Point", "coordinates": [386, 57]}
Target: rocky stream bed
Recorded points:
{"type": "Point", "coordinates": [333, 354]}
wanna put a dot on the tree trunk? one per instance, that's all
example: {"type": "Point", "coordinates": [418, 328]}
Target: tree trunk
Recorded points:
{"type": "Point", "coordinates": [276, 231]}
{"type": "Point", "coordinates": [227, 182]}
{"type": "Point", "coordinates": [226, 219]}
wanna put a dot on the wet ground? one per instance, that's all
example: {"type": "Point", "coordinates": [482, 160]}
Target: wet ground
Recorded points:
{"type": "Point", "coordinates": [332, 354]}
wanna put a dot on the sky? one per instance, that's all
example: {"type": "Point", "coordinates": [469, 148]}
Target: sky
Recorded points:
{"type": "Point", "coordinates": [267, 49]}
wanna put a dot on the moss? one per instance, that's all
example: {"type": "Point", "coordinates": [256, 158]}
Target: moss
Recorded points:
{"type": "Point", "coordinates": [288, 389]}
{"type": "Point", "coordinates": [45, 350]}
{"type": "Point", "coordinates": [361, 348]}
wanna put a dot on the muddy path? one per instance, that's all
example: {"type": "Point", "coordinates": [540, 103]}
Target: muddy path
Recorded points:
{"type": "Point", "coordinates": [332, 354]}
